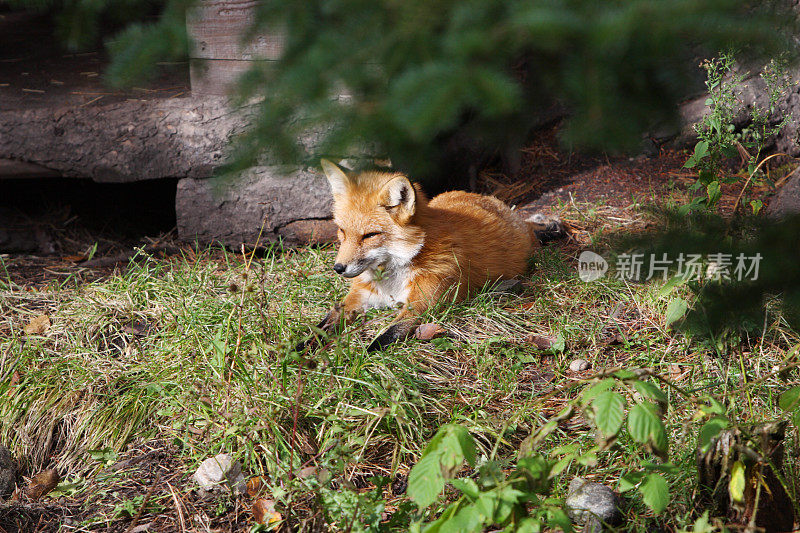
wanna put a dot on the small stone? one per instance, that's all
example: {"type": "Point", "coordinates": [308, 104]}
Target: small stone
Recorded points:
{"type": "Point", "coordinates": [591, 505]}
{"type": "Point", "coordinates": [579, 365]}
{"type": "Point", "coordinates": [220, 471]}
{"type": "Point", "coordinates": [8, 472]}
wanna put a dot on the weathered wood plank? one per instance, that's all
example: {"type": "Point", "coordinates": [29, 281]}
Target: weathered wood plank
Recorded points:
{"type": "Point", "coordinates": [217, 77]}
{"type": "Point", "coordinates": [126, 141]}
{"type": "Point", "coordinates": [219, 55]}
{"type": "Point", "coordinates": [217, 27]}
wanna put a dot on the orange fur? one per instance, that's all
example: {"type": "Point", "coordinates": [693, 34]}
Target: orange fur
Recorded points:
{"type": "Point", "coordinates": [418, 251]}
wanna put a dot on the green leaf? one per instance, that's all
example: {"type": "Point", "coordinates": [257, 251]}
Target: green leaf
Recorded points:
{"type": "Point", "coordinates": [700, 151]}
{"type": "Point", "coordinates": [609, 412]}
{"type": "Point", "coordinates": [655, 492]}
{"type": "Point", "coordinates": [558, 518]}
{"type": "Point", "coordinates": [587, 459]}
{"type": "Point", "coordinates": [710, 430]}
{"type": "Point", "coordinates": [106, 455]}
{"type": "Point", "coordinates": [790, 400]}
{"type": "Point", "coordinates": [713, 407]}
{"type": "Point", "coordinates": [624, 374]}
{"type": "Point", "coordinates": [441, 458]}
{"type": "Point", "coordinates": [630, 480]}
{"type": "Point", "coordinates": [467, 519]}
{"type": "Point", "coordinates": [702, 524]}
{"type": "Point", "coordinates": [452, 450]}
{"type": "Point", "coordinates": [532, 525]}
{"type": "Point", "coordinates": [425, 481]}
{"type": "Point", "coordinates": [756, 206]}
{"type": "Point", "coordinates": [467, 486]}
{"type": "Point", "coordinates": [714, 192]}
{"type": "Point", "coordinates": [704, 178]}
{"type": "Point", "coordinates": [591, 392]}
{"type": "Point", "coordinates": [436, 527]}
{"type": "Point", "coordinates": [435, 444]}
{"type": "Point", "coordinates": [510, 494]}
{"type": "Point", "coordinates": [646, 427]}
{"type": "Point", "coordinates": [466, 443]}
{"type": "Point", "coordinates": [650, 391]}
{"type": "Point", "coordinates": [558, 344]}
{"type": "Point", "coordinates": [487, 503]}
{"type": "Point", "coordinates": [671, 283]}
{"type": "Point", "coordinates": [796, 419]}
{"type": "Point", "coordinates": [675, 310]}
{"type": "Point", "coordinates": [561, 464]}
{"type": "Point", "coordinates": [737, 482]}
{"type": "Point", "coordinates": [535, 466]}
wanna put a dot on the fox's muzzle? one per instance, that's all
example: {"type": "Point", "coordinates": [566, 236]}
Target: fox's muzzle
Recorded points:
{"type": "Point", "coordinates": [352, 270]}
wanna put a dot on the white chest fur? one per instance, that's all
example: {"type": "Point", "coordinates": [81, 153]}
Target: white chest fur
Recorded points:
{"type": "Point", "coordinates": [389, 289]}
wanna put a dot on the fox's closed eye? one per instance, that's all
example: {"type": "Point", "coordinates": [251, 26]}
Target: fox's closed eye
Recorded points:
{"type": "Point", "coordinates": [371, 234]}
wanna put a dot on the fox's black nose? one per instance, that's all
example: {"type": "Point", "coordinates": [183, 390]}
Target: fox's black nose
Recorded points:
{"type": "Point", "coordinates": [339, 268]}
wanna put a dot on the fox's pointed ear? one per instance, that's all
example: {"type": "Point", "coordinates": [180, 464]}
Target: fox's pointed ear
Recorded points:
{"type": "Point", "coordinates": [399, 198]}
{"type": "Point", "coordinates": [336, 177]}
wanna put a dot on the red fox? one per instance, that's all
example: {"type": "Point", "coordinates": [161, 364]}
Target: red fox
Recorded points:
{"type": "Point", "coordinates": [402, 250]}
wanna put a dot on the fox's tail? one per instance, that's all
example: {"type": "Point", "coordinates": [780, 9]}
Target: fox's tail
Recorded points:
{"type": "Point", "coordinates": [544, 229]}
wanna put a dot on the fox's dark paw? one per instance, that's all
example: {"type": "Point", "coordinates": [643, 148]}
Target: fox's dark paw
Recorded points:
{"type": "Point", "coordinates": [396, 332]}
{"type": "Point", "coordinates": [393, 334]}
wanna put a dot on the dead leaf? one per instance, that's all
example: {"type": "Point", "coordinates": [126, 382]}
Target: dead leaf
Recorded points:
{"type": "Point", "coordinates": [676, 372]}
{"type": "Point", "coordinates": [254, 486]}
{"type": "Point", "coordinates": [74, 258]}
{"type": "Point", "coordinates": [307, 472]}
{"type": "Point", "coordinates": [42, 483]}
{"type": "Point", "coordinates": [38, 325]}
{"type": "Point", "coordinates": [542, 342]}
{"type": "Point", "coordinates": [264, 512]}
{"type": "Point", "coordinates": [16, 377]}
{"type": "Point", "coordinates": [426, 332]}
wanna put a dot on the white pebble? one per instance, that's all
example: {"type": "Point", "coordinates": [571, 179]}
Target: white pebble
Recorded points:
{"type": "Point", "coordinates": [579, 365]}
